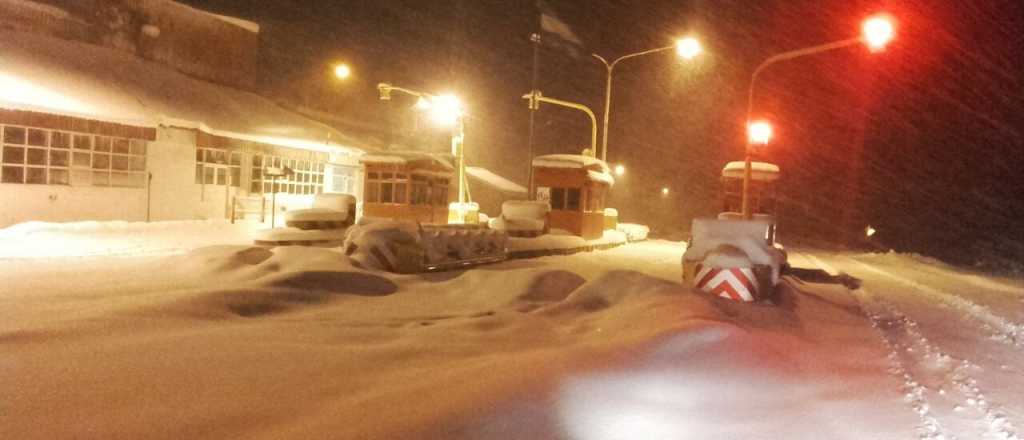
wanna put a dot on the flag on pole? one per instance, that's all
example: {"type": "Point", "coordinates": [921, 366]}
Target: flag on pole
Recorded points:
{"type": "Point", "coordinates": [556, 33]}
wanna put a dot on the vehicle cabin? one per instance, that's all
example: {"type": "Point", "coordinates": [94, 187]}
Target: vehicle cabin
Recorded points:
{"type": "Point", "coordinates": [407, 186]}
{"type": "Point", "coordinates": [576, 187]}
{"type": "Point", "coordinates": [763, 176]}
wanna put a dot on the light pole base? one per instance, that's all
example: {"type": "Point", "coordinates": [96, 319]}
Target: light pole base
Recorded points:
{"type": "Point", "coordinates": [467, 213]}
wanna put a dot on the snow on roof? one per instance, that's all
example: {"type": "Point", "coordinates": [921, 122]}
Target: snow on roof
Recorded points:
{"type": "Point", "coordinates": [571, 161]}
{"type": "Point", "coordinates": [44, 74]}
{"type": "Point", "coordinates": [497, 182]}
{"type": "Point", "coordinates": [405, 157]}
{"type": "Point", "coordinates": [598, 176]}
{"type": "Point", "coordinates": [40, 8]}
{"type": "Point", "coordinates": [244, 24]}
{"type": "Point", "coordinates": [761, 171]}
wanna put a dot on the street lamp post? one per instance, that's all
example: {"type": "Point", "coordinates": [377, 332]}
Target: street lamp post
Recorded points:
{"type": "Point", "coordinates": [686, 48]}
{"type": "Point", "coordinates": [445, 110]}
{"type": "Point", "coordinates": [876, 33]}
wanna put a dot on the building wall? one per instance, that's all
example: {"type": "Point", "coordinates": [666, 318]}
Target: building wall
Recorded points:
{"type": "Point", "coordinates": [55, 203]}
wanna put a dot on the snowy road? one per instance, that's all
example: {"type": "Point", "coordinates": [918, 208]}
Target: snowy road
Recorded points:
{"type": "Point", "coordinates": [236, 341]}
{"type": "Point", "coordinates": [956, 341]}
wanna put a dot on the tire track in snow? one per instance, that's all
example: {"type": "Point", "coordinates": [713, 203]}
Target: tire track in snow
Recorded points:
{"type": "Point", "coordinates": [911, 352]}
{"type": "Point", "coordinates": [915, 394]}
{"type": "Point", "coordinates": [998, 328]}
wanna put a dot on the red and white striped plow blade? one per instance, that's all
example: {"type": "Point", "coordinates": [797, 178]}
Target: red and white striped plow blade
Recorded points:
{"type": "Point", "coordinates": [736, 283]}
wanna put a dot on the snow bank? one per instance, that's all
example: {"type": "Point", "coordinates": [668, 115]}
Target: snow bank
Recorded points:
{"type": "Point", "coordinates": [761, 171]}
{"type": "Point", "coordinates": [563, 240]}
{"type": "Point", "coordinates": [634, 232]}
{"type": "Point", "coordinates": [80, 239]}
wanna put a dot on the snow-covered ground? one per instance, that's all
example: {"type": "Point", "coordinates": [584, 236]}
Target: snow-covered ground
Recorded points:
{"type": "Point", "coordinates": [236, 341]}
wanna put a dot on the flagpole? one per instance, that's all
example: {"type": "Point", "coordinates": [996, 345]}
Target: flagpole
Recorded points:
{"type": "Point", "coordinates": [535, 40]}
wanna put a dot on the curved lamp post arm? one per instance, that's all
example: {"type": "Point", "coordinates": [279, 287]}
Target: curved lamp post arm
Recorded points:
{"type": "Point", "coordinates": [745, 202]}
{"type": "Point", "coordinates": [608, 90]}
{"type": "Point", "coordinates": [536, 97]}
{"type": "Point", "coordinates": [790, 55]}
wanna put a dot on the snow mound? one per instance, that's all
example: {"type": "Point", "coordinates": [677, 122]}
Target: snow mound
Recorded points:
{"type": "Point", "coordinates": [634, 232]}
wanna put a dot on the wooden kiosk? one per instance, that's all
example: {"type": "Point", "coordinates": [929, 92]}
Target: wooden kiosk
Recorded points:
{"type": "Point", "coordinates": [576, 187]}
{"type": "Point", "coordinates": [407, 186]}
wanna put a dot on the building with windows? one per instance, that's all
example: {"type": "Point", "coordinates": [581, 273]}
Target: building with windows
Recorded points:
{"type": "Point", "coordinates": [576, 187]}
{"type": "Point", "coordinates": [93, 133]}
{"type": "Point", "coordinates": [408, 186]}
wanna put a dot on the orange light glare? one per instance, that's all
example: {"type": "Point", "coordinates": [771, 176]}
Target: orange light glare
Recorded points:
{"type": "Point", "coordinates": [878, 31]}
{"type": "Point", "coordinates": [759, 132]}
{"type": "Point", "coordinates": [688, 47]}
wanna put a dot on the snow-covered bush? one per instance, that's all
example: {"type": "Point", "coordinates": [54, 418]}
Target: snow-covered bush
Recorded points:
{"type": "Point", "coordinates": [634, 232]}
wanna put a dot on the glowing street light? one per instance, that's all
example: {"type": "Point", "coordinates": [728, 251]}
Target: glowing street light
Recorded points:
{"type": "Point", "coordinates": [759, 132]}
{"type": "Point", "coordinates": [445, 110]}
{"type": "Point", "coordinates": [620, 170]}
{"type": "Point", "coordinates": [686, 48]}
{"type": "Point", "coordinates": [664, 191]}
{"type": "Point", "coordinates": [876, 32]}
{"type": "Point", "coordinates": [342, 71]}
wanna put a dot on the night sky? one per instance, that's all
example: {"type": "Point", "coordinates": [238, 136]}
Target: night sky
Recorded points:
{"type": "Point", "coordinates": [922, 141]}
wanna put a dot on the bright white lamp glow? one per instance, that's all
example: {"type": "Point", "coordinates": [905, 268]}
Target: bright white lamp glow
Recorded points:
{"type": "Point", "coordinates": [878, 31]}
{"type": "Point", "coordinates": [759, 132]}
{"type": "Point", "coordinates": [664, 191]}
{"type": "Point", "coordinates": [620, 170]}
{"type": "Point", "coordinates": [445, 109]}
{"type": "Point", "coordinates": [342, 71]}
{"type": "Point", "coordinates": [423, 104]}
{"type": "Point", "coordinates": [17, 90]}
{"type": "Point", "coordinates": [688, 47]}
{"type": "Point", "coordinates": [869, 231]}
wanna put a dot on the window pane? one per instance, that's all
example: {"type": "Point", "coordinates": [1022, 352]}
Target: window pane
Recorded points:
{"type": "Point", "coordinates": [267, 187]}
{"type": "Point", "coordinates": [60, 140]}
{"type": "Point", "coordinates": [236, 158]}
{"type": "Point", "coordinates": [58, 177]}
{"type": "Point", "coordinates": [199, 155]}
{"type": "Point", "coordinates": [81, 177]}
{"type": "Point", "coordinates": [101, 161]}
{"type": "Point", "coordinates": [36, 156]}
{"type": "Point", "coordinates": [14, 155]}
{"type": "Point", "coordinates": [12, 175]}
{"type": "Point", "coordinates": [35, 175]}
{"type": "Point", "coordinates": [103, 143]}
{"type": "Point", "coordinates": [119, 163]}
{"type": "Point", "coordinates": [122, 179]}
{"type": "Point", "coordinates": [236, 177]}
{"type": "Point", "coordinates": [387, 176]}
{"type": "Point", "coordinates": [81, 160]}
{"type": "Point", "coordinates": [37, 137]}
{"type": "Point", "coordinates": [257, 161]}
{"type": "Point", "coordinates": [400, 190]}
{"type": "Point", "coordinates": [573, 201]}
{"type": "Point", "coordinates": [372, 176]}
{"type": "Point", "coordinates": [257, 174]}
{"type": "Point", "coordinates": [386, 192]}
{"type": "Point", "coordinates": [84, 142]}
{"type": "Point", "coordinates": [208, 175]}
{"type": "Point", "coordinates": [372, 192]}
{"type": "Point", "coordinates": [101, 178]}
{"type": "Point", "coordinates": [138, 147]}
{"type": "Point", "coordinates": [558, 198]}
{"type": "Point", "coordinates": [222, 176]}
{"type": "Point", "coordinates": [58, 158]}
{"type": "Point", "coordinates": [121, 146]}
{"type": "Point", "coordinates": [138, 163]}
{"type": "Point", "coordinates": [14, 135]}
{"type": "Point", "coordinates": [255, 187]}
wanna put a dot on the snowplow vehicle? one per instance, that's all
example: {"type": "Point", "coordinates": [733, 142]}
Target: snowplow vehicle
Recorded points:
{"type": "Point", "coordinates": [732, 256]}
